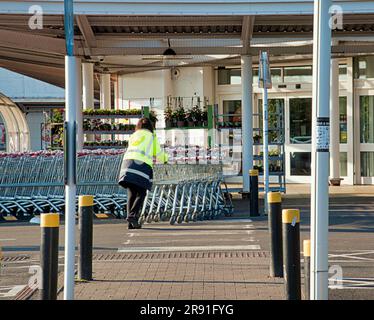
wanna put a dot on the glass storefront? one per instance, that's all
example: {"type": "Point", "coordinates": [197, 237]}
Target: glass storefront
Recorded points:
{"type": "Point", "coordinates": [232, 107]}
{"type": "Point", "coordinates": [298, 74]}
{"type": "Point", "coordinates": [300, 120]}
{"type": "Point", "coordinates": [276, 121]}
{"type": "Point", "coordinates": [229, 76]}
{"type": "Point", "coordinates": [300, 163]}
{"type": "Point", "coordinates": [364, 67]}
{"type": "Point", "coordinates": [367, 119]}
{"type": "Point", "coordinates": [343, 164]}
{"type": "Point", "coordinates": [367, 164]}
{"type": "Point", "coordinates": [343, 119]}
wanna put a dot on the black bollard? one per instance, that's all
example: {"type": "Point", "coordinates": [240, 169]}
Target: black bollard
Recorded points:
{"type": "Point", "coordinates": [306, 250]}
{"type": "Point", "coordinates": [291, 253]}
{"type": "Point", "coordinates": [49, 223]}
{"type": "Point", "coordinates": [253, 204]}
{"type": "Point", "coordinates": [275, 229]}
{"type": "Point", "coordinates": [86, 204]}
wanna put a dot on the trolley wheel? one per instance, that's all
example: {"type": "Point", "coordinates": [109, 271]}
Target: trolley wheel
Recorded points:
{"type": "Point", "coordinates": [157, 218]}
{"type": "Point", "coordinates": [187, 218]}
{"type": "Point", "coordinates": [149, 219]}
{"type": "Point", "coordinates": [141, 220]}
{"type": "Point", "coordinates": [194, 217]}
{"type": "Point", "coordinates": [172, 220]}
{"type": "Point", "coordinates": [179, 219]}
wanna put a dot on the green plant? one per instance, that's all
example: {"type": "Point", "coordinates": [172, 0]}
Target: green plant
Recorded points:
{"type": "Point", "coordinates": [257, 138]}
{"type": "Point", "coordinates": [180, 114]}
{"type": "Point", "coordinates": [196, 114]}
{"type": "Point", "coordinates": [57, 116]}
{"type": "Point", "coordinates": [168, 114]}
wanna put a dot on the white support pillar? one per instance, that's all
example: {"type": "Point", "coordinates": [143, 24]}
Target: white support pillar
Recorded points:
{"type": "Point", "coordinates": [88, 90]}
{"type": "Point", "coordinates": [116, 93]}
{"type": "Point", "coordinates": [320, 150]}
{"type": "Point", "coordinates": [73, 99]}
{"type": "Point", "coordinates": [88, 85]}
{"type": "Point", "coordinates": [334, 121]}
{"type": "Point", "coordinates": [247, 120]}
{"type": "Point", "coordinates": [105, 93]}
{"type": "Point", "coordinates": [105, 98]}
{"type": "Point", "coordinates": [80, 137]}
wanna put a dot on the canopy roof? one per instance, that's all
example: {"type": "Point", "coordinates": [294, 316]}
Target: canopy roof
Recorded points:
{"type": "Point", "coordinates": [131, 36]}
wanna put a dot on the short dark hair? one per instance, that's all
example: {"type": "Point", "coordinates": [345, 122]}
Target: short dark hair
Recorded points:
{"type": "Point", "coordinates": [144, 123]}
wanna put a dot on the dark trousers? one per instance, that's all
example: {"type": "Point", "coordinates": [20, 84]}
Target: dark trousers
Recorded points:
{"type": "Point", "coordinates": [135, 200]}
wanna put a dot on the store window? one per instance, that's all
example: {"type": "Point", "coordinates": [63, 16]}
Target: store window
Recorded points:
{"type": "Point", "coordinates": [367, 164]}
{"type": "Point", "coordinates": [343, 164]}
{"type": "Point", "coordinates": [367, 119]}
{"type": "Point", "coordinates": [298, 74]}
{"type": "Point", "coordinates": [2, 135]}
{"type": "Point", "coordinates": [300, 120]}
{"type": "Point", "coordinates": [232, 109]}
{"type": "Point", "coordinates": [343, 119]}
{"type": "Point", "coordinates": [276, 75]}
{"type": "Point", "coordinates": [364, 67]}
{"type": "Point", "coordinates": [300, 163]}
{"type": "Point", "coordinates": [229, 76]}
{"type": "Point", "coordinates": [343, 72]}
{"type": "Point", "coordinates": [275, 119]}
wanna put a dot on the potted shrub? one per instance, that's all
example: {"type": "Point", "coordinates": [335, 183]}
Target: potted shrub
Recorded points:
{"type": "Point", "coordinates": [180, 115]}
{"type": "Point", "coordinates": [190, 119]}
{"type": "Point", "coordinates": [196, 115]}
{"type": "Point", "coordinates": [168, 114]}
{"type": "Point", "coordinates": [204, 118]}
{"type": "Point", "coordinates": [257, 138]}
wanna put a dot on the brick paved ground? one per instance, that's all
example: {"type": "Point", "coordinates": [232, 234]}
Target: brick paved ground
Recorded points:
{"type": "Point", "coordinates": [182, 276]}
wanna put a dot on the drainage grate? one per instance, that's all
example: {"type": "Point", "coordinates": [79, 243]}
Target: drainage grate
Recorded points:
{"type": "Point", "coordinates": [180, 255]}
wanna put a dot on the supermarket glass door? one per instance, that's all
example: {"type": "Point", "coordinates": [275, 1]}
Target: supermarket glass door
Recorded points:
{"type": "Point", "coordinates": [298, 139]}
{"type": "Point", "coordinates": [366, 136]}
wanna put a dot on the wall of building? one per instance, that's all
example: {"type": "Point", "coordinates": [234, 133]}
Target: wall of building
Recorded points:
{"type": "Point", "coordinates": [178, 82]}
{"type": "Point", "coordinates": [35, 121]}
{"type": "Point", "coordinates": [17, 86]}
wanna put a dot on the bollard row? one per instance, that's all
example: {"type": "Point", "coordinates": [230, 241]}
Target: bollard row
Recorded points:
{"type": "Point", "coordinates": [284, 229]}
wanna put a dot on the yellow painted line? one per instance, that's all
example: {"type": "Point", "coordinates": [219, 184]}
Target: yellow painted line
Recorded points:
{"type": "Point", "coordinates": [101, 215]}
{"type": "Point", "coordinates": [10, 218]}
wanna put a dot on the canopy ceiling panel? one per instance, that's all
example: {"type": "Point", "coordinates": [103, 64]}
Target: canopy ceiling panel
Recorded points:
{"type": "Point", "coordinates": [209, 32]}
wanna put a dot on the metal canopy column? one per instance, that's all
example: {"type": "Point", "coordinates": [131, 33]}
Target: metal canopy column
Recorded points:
{"type": "Point", "coordinates": [320, 150]}
{"type": "Point", "coordinates": [73, 99]}
{"type": "Point", "coordinates": [247, 120]}
{"type": "Point", "coordinates": [334, 121]}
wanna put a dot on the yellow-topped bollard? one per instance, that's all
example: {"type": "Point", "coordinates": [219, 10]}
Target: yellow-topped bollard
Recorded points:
{"type": "Point", "coordinates": [275, 228]}
{"type": "Point", "coordinates": [253, 199]}
{"type": "Point", "coordinates": [85, 216]}
{"type": "Point", "coordinates": [49, 224]}
{"type": "Point", "coordinates": [291, 253]}
{"type": "Point", "coordinates": [306, 251]}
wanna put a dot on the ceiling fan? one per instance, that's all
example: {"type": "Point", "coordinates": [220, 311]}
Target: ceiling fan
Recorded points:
{"type": "Point", "coordinates": [168, 56]}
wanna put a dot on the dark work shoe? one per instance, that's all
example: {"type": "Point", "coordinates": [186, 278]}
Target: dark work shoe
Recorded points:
{"type": "Point", "coordinates": [136, 225]}
{"type": "Point", "coordinates": [130, 226]}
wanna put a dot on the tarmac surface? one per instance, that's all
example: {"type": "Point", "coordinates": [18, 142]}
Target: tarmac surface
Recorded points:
{"type": "Point", "coordinates": [220, 259]}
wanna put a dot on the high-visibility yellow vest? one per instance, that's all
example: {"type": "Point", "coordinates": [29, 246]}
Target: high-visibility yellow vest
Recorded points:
{"type": "Point", "coordinates": [144, 146]}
